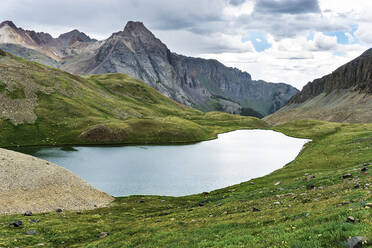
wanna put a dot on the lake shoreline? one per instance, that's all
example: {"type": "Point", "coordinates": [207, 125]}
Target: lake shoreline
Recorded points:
{"type": "Point", "coordinates": [14, 148]}
{"type": "Point", "coordinates": [176, 170]}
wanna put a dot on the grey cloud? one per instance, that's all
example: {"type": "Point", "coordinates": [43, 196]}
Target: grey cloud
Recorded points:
{"type": "Point", "coordinates": [236, 2]}
{"type": "Point", "coordinates": [202, 18]}
{"type": "Point", "coordinates": [287, 6]}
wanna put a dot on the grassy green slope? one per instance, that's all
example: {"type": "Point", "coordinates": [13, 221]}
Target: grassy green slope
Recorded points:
{"type": "Point", "coordinates": [41, 105]}
{"type": "Point", "coordinates": [304, 217]}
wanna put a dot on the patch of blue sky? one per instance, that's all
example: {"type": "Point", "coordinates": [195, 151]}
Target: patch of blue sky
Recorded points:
{"type": "Point", "coordinates": [342, 37]}
{"type": "Point", "coordinates": [258, 40]}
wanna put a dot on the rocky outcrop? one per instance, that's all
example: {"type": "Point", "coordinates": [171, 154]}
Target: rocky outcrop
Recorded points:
{"type": "Point", "coordinates": [355, 75]}
{"type": "Point", "coordinates": [203, 84]}
{"type": "Point", "coordinates": [342, 96]}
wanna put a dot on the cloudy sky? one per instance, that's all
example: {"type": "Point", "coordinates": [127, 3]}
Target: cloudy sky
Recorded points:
{"type": "Point", "coordinates": [292, 41]}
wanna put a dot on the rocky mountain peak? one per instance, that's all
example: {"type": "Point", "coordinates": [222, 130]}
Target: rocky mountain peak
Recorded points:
{"type": "Point", "coordinates": [8, 23]}
{"type": "Point", "coordinates": [133, 26]}
{"type": "Point", "coordinates": [137, 29]}
{"type": "Point", "coordinates": [74, 36]}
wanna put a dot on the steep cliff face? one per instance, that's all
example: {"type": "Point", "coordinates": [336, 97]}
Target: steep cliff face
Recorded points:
{"type": "Point", "coordinates": [200, 83]}
{"type": "Point", "coordinates": [344, 95]}
{"type": "Point", "coordinates": [203, 84]}
{"type": "Point", "coordinates": [355, 75]}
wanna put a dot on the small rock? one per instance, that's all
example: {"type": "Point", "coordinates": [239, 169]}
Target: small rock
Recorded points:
{"type": "Point", "coordinates": [368, 205]}
{"type": "Point", "coordinates": [365, 164]}
{"type": "Point", "coordinates": [350, 219]}
{"type": "Point", "coordinates": [103, 235]}
{"type": "Point", "coordinates": [31, 232]}
{"type": "Point", "coordinates": [364, 169]}
{"type": "Point", "coordinates": [347, 176]}
{"type": "Point", "coordinates": [276, 184]}
{"type": "Point", "coordinates": [280, 189]}
{"type": "Point", "coordinates": [141, 201]}
{"type": "Point", "coordinates": [219, 204]}
{"type": "Point", "coordinates": [307, 214]}
{"type": "Point", "coordinates": [356, 242]}
{"type": "Point", "coordinates": [201, 204]}
{"type": "Point", "coordinates": [251, 183]}
{"type": "Point", "coordinates": [309, 177]}
{"type": "Point", "coordinates": [276, 203]}
{"type": "Point", "coordinates": [34, 221]}
{"type": "Point", "coordinates": [28, 213]}
{"type": "Point", "coordinates": [59, 210]}
{"type": "Point", "coordinates": [310, 186]}
{"type": "Point", "coordinates": [16, 223]}
{"type": "Point", "coordinates": [356, 186]}
{"type": "Point", "coordinates": [254, 209]}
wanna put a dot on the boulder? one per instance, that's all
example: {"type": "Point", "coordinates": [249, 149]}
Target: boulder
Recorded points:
{"type": "Point", "coordinates": [102, 235]}
{"type": "Point", "coordinates": [16, 223]}
{"type": "Point", "coordinates": [31, 232]}
{"type": "Point", "coordinates": [254, 209]}
{"type": "Point", "coordinates": [356, 242]}
{"type": "Point", "coordinates": [28, 213]}
{"type": "Point", "coordinates": [350, 219]}
{"type": "Point", "coordinates": [347, 176]}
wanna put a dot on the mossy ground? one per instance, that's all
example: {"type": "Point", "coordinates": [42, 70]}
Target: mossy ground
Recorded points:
{"type": "Point", "coordinates": [224, 218]}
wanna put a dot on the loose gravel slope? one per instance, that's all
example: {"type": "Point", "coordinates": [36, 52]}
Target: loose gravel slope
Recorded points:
{"type": "Point", "coordinates": [29, 183]}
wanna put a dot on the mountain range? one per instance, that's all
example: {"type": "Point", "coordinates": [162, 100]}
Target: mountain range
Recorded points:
{"type": "Point", "coordinates": [203, 84]}
{"type": "Point", "coordinates": [42, 105]}
{"type": "Point", "coordinates": [345, 95]}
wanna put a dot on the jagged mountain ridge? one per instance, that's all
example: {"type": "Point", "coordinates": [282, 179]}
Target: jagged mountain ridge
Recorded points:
{"type": "Point", "coordinates": [55, 48]}
{"type": "Point", "coordinates": [345, 95]}
{"type": "Point", "coordinates": [200, 83]}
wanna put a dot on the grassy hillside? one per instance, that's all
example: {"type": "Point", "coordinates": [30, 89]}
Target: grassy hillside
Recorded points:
{"type": "Point", "coordinates": [298, 212]}
{"type": "Point", "coordinates": [40, 105]}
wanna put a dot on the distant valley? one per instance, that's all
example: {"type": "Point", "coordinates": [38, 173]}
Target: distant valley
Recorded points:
{"type": "Point", "coordinates": [203, 84]}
